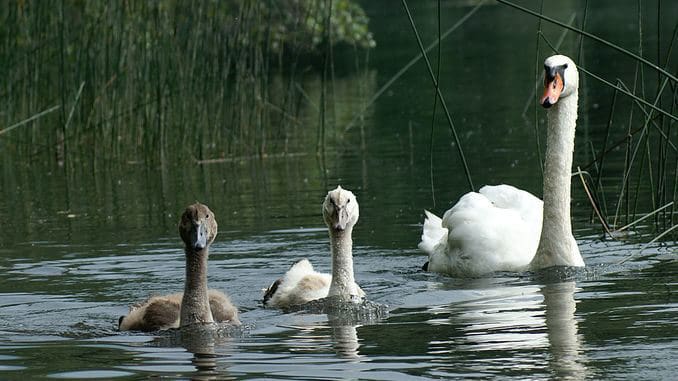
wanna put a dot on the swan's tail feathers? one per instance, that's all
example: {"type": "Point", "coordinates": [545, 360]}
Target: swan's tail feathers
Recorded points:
{"type": "Point", "coordinates": [433, 233]}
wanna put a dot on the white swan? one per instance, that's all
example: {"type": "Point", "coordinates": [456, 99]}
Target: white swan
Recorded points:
{"type": "Point", "coordinates": [302, 283]}
{"type": "Point", "coordinates": [500, 228]}
{"type": "Point", "coordinates": [196, 304]}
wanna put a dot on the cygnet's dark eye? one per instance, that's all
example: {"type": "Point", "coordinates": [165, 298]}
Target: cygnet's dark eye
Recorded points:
{"type": "Point", "coordinates": [207, 216]}
{"type": "Point", "coordinates": [349, 200]}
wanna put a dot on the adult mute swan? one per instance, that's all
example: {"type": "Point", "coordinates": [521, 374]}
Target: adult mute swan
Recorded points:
{"type": "Point", "coordinates": [196, 304]}
{"type": "Point", "coordinates": [302, 283]}
{"type": "Point", "coordinates": [500, 228]}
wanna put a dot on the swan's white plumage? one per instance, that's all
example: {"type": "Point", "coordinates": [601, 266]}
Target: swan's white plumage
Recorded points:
{"type": "Point", "coordinates": [496, 229]}
{"type": "Point", "coordinates": [433, 232]}
{"type": "Point", "coordinates": [502, 228]}
{"type": "Point", "coordinates": [301, 283]}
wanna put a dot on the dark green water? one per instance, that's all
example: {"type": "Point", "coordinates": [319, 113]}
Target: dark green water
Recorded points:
{"type": "Point", "coordinates": [81, 243]}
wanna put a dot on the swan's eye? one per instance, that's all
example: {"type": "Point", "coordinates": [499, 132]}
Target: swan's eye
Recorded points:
{"type": "Point", "coordinates": [349, 200]}
{"type": "Point", "coordinates": [207, 216]}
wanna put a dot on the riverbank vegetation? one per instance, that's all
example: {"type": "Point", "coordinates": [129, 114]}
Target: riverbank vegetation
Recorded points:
{"type": "Point", "coordinates": [130, 81]}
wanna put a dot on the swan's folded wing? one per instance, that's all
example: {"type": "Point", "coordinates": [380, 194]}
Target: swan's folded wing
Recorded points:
{"type": "Point", "coordinates": [529, 207]}
{"type": "Point", "coordinates": [299, 285]}
{"type": "Point", "coordinates": [156, 313]}
{"type": "Point", "coordinates": [483, 238]}
{"type": "Point", "coordinates": [222, 308]}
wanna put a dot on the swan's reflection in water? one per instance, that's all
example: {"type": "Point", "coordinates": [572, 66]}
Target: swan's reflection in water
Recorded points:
{"type": "Point", "coordinates": [330, 335]}
{"type": "Point", "coordinates": [339, 320]}
{"type": "Point", "coordinates": [503, 319]}
{"type": "Point", "coordinates": [207, 345]}
{"type": "Point", "coordinates": [537, 320]}
{"type": "Point", "coordinates": [206, 367]}
{"type": "Point", "coordinates": [202, 346]}
{"type": "Point", "coordinates": [345, 340]}
{"type": "Point", "coordinates": [567, 361]}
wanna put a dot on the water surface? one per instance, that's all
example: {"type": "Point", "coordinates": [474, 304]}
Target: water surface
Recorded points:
{"type": "Point", "coordinates": [80, 245]}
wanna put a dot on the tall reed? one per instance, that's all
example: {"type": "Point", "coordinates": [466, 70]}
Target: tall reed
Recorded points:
{"type": "Point", "coordinates": [161, 81]}
{"type": "Point", "coordinates": [641, 121]}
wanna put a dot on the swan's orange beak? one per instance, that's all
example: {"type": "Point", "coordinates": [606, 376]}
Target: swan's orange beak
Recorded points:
{"type": "Point", "coordinates": [552, 89]}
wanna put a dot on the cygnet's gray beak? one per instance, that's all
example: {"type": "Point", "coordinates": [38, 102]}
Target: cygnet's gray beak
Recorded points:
{"type": "Point", "coordinates": [199, 236]}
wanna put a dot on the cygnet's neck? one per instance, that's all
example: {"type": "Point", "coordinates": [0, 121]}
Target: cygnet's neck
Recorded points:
{"type": "Point", "coordinates": [343, 281]}
{"type": "Point", "coordinates": [556, 245]}
{"type": "Point", "coordinates": [195, 306]}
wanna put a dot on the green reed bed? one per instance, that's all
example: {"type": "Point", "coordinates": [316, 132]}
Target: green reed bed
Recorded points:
{"type": "Point", "coordinates": [163, 80]}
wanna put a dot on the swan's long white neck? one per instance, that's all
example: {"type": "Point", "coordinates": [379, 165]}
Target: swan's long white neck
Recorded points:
{"type": "Point", "coordinates": [195, 305]}
{"type": "Point", "coordinates": [556, 246]}
{"type": "Point", "coordinates": [343, 281]}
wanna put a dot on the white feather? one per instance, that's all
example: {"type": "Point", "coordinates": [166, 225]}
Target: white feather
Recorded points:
{"type": "Point", "coordinates": [496, 229]}
{"type": "Point", "coordinates": [502, 228]}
